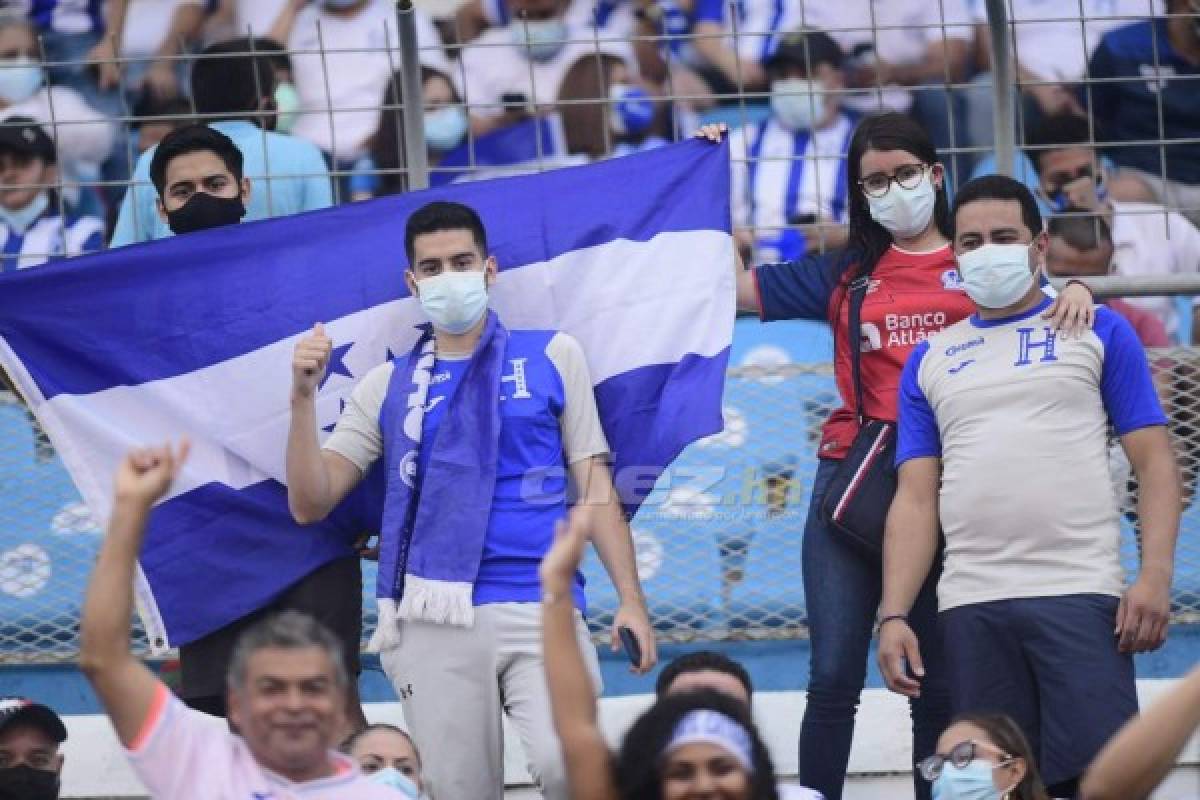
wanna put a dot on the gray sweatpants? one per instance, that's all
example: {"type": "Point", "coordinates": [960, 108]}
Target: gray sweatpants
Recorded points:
{"type": "Point", "coordinates": [455, 683]}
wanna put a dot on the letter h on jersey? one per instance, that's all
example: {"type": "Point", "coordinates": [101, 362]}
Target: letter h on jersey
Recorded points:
{"type": "Point", "coordinates": [1026, 345]}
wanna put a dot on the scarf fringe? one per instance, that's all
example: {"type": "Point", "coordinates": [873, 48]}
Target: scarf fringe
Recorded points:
{"type": "Point", "coordinates": [439, 602]}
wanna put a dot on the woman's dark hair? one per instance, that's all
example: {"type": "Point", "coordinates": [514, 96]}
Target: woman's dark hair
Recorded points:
{"type": "Point", "coordinates": [387, 144]}
{"type": "Point", "coordinates": [1006, 735]}
{"type": "Point", "coordinates": [640, 760]}
{"type": "Point", "coordinates": [868, 239]}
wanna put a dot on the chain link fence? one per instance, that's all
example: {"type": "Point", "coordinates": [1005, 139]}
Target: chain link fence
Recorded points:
{"type": "Point", "coordinates": [718, 541]}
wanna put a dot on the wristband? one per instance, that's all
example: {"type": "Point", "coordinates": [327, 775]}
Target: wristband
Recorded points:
{"type": "Point", "coordinates": [891, 617]}
{"type": "Point", "coordinates": [1084, 285]}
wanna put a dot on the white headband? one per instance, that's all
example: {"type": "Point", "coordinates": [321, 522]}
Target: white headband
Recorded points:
{"type": "Point", "coordinates": [713, 727]}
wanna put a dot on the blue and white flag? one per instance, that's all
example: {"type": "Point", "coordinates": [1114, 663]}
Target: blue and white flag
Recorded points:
{"type": "Point", "coordinates": [194, 335]}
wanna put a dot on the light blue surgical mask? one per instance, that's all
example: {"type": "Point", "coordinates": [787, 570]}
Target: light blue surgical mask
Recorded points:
{"type": "Point", "coordinates": [395, 779]}
{"type": "Point", "coordinates": [454, 301]}
{"type": "Point", "coordinates": [540, 39]}
{"type": "Point", "coordinates": [287, 105]}
{"type": "Point", "coordinates": [972, 782]}
{"type": "Point", "coordinates": [445, 128]}
{"type": "Point", "coordinates": [996, 275]}
{"type": "Point", "coordinates": [22, 219]}
{"type": "Point", "coordinates": [19, 78]}
{"type": "Point", "coordinates": [796, 103]}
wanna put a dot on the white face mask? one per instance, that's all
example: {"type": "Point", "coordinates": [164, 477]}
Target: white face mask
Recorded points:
{"type": "Point", "coordinates": [996, 275]}
{"type": "Point", "coordinates": [454, 301]}
{"type": "Point", "coordinates": [796, 103]}
{"type": "Point", "coordinates": [905, 212]}
{"type": "Point", "coordinates": [540, 39]}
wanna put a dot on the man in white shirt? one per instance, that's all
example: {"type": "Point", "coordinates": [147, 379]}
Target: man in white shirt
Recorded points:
{"type": "Point", "coordinates": [522, 64]}
{"type": "Point", "coordinates": [1051, 48]}
{"type": "Point", "coordinates": [1148, 238]}
{"type": "Point", "coordinates": [286, 682]}
{"type": "Point", "coordinates": [343, 55]}
{"type": "Point", "coordinates": [1002, 444]}
{"type": "Point", "coordinates": [901, 53]}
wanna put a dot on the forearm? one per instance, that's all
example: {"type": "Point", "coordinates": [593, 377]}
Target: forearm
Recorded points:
{"type": "Point", "coordinates": [909, 547]}
{"type": "Point", "coordinates": [573, 699]}
{"type": "Point", "coordinates": [115, 22]}
{"type": "Point", "coordinates": [1141, 755]}
{"type": "Point", "coordinates": [104, 627]}
{"type": "Point", "coordinates": [281, 30]}
{"type": "Point", "coordinates": [309, 486]}
{"type": "Point", "coordinates": [614, 544]}
{"type": "Point", "coordinates": [1159, 507]}
{"type": "Point", "coordinates": [710, 45]}
{"type": "Point", "coordinates": [186, 26]}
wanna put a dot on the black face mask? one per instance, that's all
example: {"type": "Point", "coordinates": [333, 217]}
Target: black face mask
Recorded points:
{"type": "Point", "coordinates": [203, 211]}
{"type": "Point", "coordinates": [26, 783]}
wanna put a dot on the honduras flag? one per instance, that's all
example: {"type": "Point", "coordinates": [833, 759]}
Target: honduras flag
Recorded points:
{"type": "Point", "coordinates": [194, 334]}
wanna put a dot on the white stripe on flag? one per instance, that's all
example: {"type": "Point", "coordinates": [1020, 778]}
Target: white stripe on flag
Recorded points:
{"type": "Point", "coordinates": [237, 411]}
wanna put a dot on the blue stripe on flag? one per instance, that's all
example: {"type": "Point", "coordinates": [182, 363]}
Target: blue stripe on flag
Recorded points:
{"type": "Point", "coordinates": [153, 311]}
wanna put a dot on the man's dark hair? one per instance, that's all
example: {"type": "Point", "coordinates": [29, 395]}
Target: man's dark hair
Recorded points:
{"type": "Point", "coordinates": [1057, 132]}
{"type": "Point", "coordinates": [1000, 187]}
{"type": "Point", "coordinates": [806, 48]}
{"type": "Point", "coordinates": [702, 661]}
{"type": "Point", "coordinates": [149, 109]}
{"type": "Point", "coordinates": [230, 80]}
{"type": "Point", "coordinates": [444, 216]}
{"type": "Point", "coordinates": [1084, 232]}
{"type": "Point", "coordinates": [192, 139]}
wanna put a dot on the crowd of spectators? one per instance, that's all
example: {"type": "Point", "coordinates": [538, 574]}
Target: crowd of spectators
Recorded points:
{"type": "Point", "coordinates": [311, 92]}
{"type": "Point", "coordinates": [132, 120]}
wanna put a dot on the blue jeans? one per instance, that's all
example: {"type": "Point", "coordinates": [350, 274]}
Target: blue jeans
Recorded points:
{"type": "Point", "coordinates": [842, 590]}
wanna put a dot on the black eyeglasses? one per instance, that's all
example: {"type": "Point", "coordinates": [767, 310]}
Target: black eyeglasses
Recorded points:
{"type": "Point", "coordinates": [959, 756]}
{"type": "Point", "coordinates": [877, 184]}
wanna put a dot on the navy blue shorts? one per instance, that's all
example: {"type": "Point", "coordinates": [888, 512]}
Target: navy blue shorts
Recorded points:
{"type": "Point", "coordinates": [1050, 663]}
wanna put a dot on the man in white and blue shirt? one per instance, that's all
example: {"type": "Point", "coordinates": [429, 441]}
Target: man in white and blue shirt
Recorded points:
{"type": "Point", "coordinates": [789, 171]}
{"type": "Point", "coordinates": [234, 93]}
{"type": "Point", "coordinates": [480, 430]}
{"type": "Point", "coordinates": [1003, 436]}
{"type": "Point", "coordinates": [35, 226]}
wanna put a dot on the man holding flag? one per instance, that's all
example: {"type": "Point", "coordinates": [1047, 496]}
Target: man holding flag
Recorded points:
{"type": "Point", "coordinates": [482, 430]}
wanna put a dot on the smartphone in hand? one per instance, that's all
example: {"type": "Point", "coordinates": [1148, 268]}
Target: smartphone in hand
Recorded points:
{"type": "Point", "coordinates": [633, 649]}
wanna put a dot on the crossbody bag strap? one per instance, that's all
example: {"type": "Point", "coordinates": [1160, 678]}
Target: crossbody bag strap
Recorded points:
{"type": "Point", "coordinates": [858, 293]}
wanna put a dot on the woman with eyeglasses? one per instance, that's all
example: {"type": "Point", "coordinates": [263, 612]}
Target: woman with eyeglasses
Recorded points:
{"type": "Point", "coordinates": [899, 242]}
{"type": "Point", "coordinates": [983, 757]}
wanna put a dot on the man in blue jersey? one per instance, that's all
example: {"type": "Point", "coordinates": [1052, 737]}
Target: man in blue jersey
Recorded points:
{"type": "Point", "coordinates": [483, 432]}
{"type": "Point", "coordinates": [234, 92]}
{"type": "Point", "coordinates": [1146, 77]}
{"type": "Point", "coordinates": [1003, 435]}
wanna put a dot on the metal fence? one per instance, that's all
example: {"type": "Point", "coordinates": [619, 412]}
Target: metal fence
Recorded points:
{"type": "Point", "coordinates": [719, 540]}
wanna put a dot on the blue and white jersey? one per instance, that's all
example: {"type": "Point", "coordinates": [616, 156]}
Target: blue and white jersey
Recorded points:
{"type": "Point", "coordinates": [549, 421]}
{"type": "Point", "coordinates": [65, 16]}
{"type": "Point", "coordinates": [49, 238]}
{"type": "Point", "coordinates": [1019, 417]}
{"type": "Point", "coordinates": [780, 176]}
{"type": "Point", "coordinates": [759, 24]}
